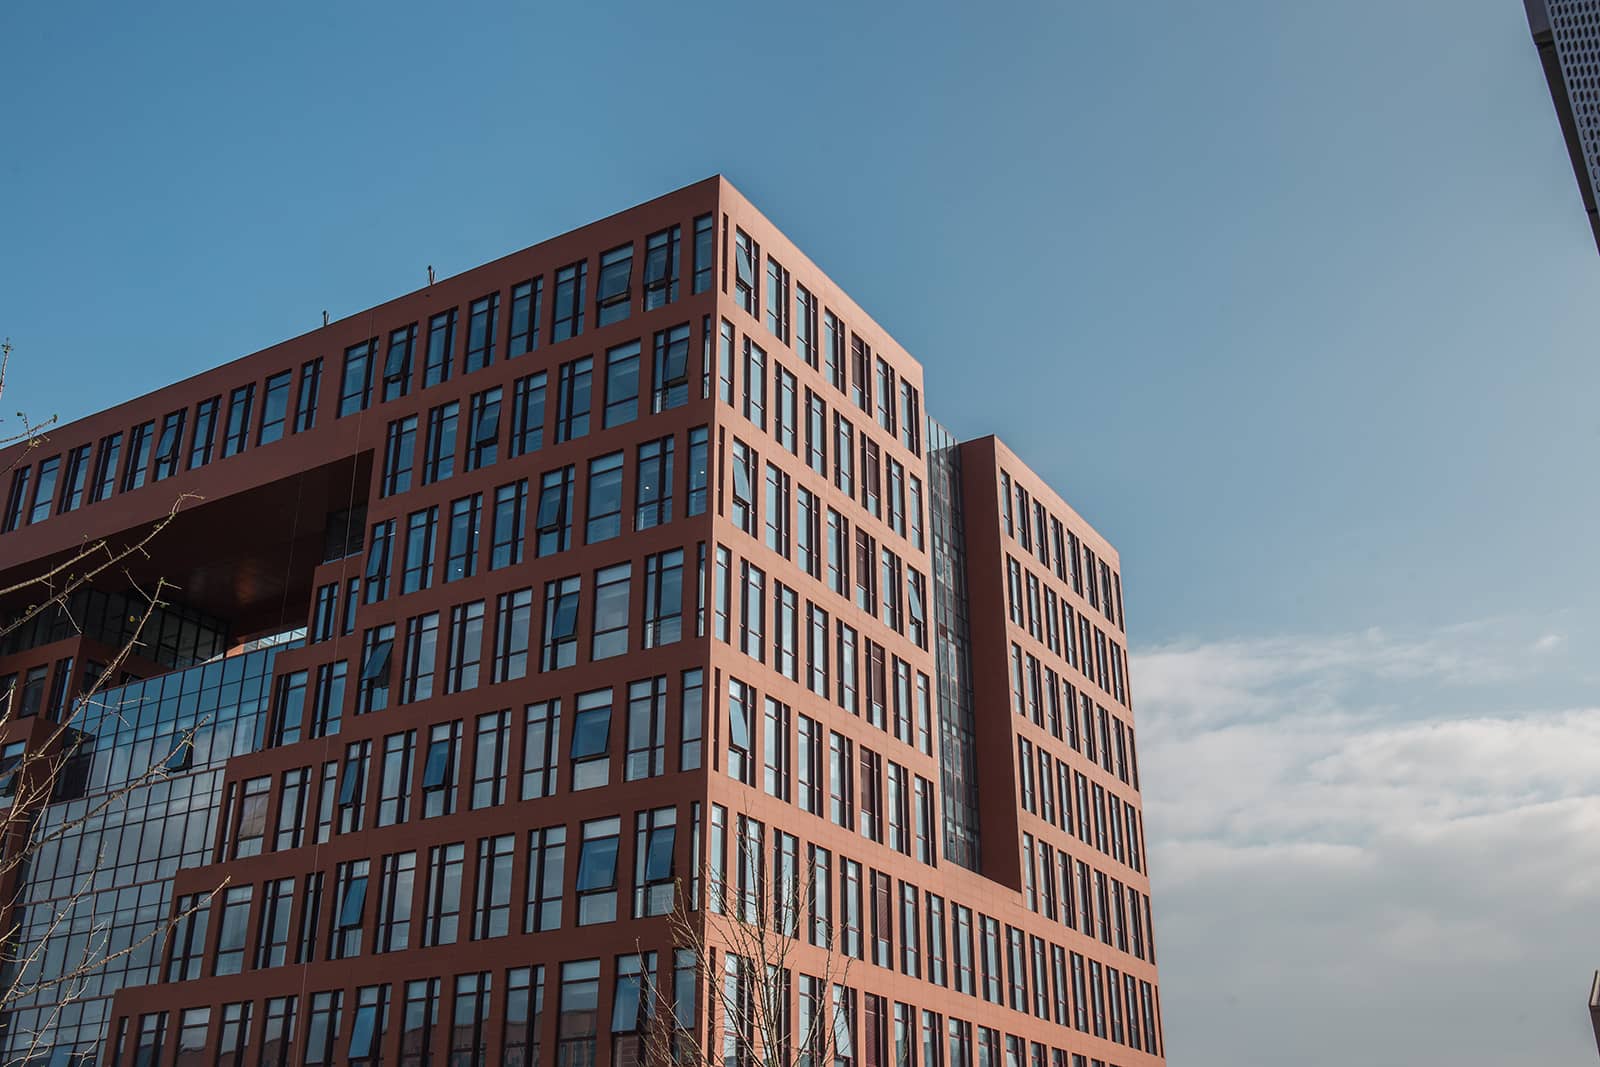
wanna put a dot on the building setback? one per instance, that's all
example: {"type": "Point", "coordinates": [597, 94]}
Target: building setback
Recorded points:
{"type": "Point", "coordinates": [625, 562]}
{"type": "Point", "coordinates": [1567, 33]}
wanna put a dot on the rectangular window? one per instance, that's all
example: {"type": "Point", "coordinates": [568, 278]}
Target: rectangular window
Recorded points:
{"type": "Point", "coordinates": [169, 446]}
{"type": "Point", "coordinates": [670, 383]}
{"type": "Point", "coordinates": [274, 411]}
{"type": "Point", "coordinates": [491, 906]}
{"type": "Point", "coordinates": [655, 839]}
{"type": "Point", "coordinates": [560, 624]}
{"type": "Point", "coordinates": [483, 429]}
{"type": "Point", "coordinates": [741, 766]}
{"type": "Point", "coordinates": [755, 384]}
{"type": "Point", "coordinates": [777, 510]}
{"type": "Point", "coordinates": [571, 282]}
{"type": "Point", "coordinates": [596, 883]}
{"type": "Point", "coordinates": [526, 300]}
{"type": "Point", "coordinates": [611, 596]}
{"type": "Point", "coordinates": [752, 617]}
{"type": "Point", "coordinates": [554, 520]}
{"type": "Point", "coordinates": [441, 769]}
{"type": "Point", "coordinates": [141, 438]}
{"type": "Point", "coordinates": [573, 387]}
{"type": "Point", "coordinates": [622, 385]}
{"type": "Point", "coordinates": [466, 647]}
{"type": "Point", "coordinates": [777, 300]}
{"type": "Point", "coordinates": [355, 389]}
{"type": "Point", "coordinates": [510, 525]}
{"type": "Point", "coordinates": [613, 295]}
{"type": "Point", "coordinates": [691, 721]}
{"type": "Point", "coordinates": [776, 749]}
{"type": "Point", "coordinates": [205, 432]}
{"type": "Point", "coordinates": [512, 633]}
{"type": "Point", "coordinates": [105, 467]}
{"type": "Point", "coordinates": [743, 510]}
{"type": "Point", "coordinates": [663, 598]}
{"type": "Point", "coordinates": [547, 851]}
{"type": "Point", "coordinates": [441, 348]}
{"type": "Point", "coordinates": [397, 362]}
{"type": "Point", "coordinates": [399, 452]}
{"type": "Point", "coordinates": [704, 256]}
{"type": "Point", "coordinates": [441, 916]}
{"type": "Point", "coordinates": [698, 464]}
{"type": "Point", "coordinates": [482, 316]}
{"type": "Point", "coordinates": [540, 744]}
{"type": "Point", "coordinates": [745, 257]}
{"type": "Point", "coordinates": [461, 543]}
{"type": "Point", "coordinates": [439, 461]}
{"type": "Point", "coordinates": [420, 535]}
{"type": "Point", "coordinates": [527, 415]}
{"type": "Point", "coordinates": [661, 268]}
{"type": "Point", "coordinates": [590, 751]}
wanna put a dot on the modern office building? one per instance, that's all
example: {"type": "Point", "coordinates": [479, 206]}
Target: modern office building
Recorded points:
{"type": "Point", "coordinates": [1567, 33]}
{"type": "Point", "coordinates": [626, 566]}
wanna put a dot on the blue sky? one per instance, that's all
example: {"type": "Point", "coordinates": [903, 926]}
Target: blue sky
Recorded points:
{"type": "Point", "coordinates": [1295, 302]}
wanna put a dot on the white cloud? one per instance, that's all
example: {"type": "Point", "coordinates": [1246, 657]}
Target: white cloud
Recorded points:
{"type": "Point", "coordinates": [1350, 866]}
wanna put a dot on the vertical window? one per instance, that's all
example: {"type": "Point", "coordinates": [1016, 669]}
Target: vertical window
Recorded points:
{"type": "Point", "coordinates": [350, 901]}
{"type": "Point", "coordinates": [539, 748]}
{"type": "Point", "coordinates": [691, 721]}
{"type": "Point", "coordinates": [597, 871]}
{"type": "Point", "coordinates": [442, 913]}
{"type": "Point", "coordinates": [274, 410]}
{"type": "Point", "coordinates": [611, 595]}
{"type": "Point", "coordinates": [591, 740]}
{"type": "Point", "coordinates": [205, 432]}
{"type": "Point", "coordinates": [775, 749]}
{"type": "Point", "coordinates": [622, 385]}
{"type": "Point", "coordinates": [704, 258]}
{"type": "Point", "coordinates": [612, 296]}
{"type": "Point", "coordinates": [661, 268]}
{"type": "Point", "coordinates": [466, 647]}
{"type": "Point", "coordinates": [355, 385]}
{"type": "Point", "coordinates": [513, 629]}
{"type": "Point", "coordinates": [698, 464]}
{"type": "Point", "coordinates": [105, 467]}
{"type": "Point", "coordinates": [441, 348]}
{"type": "Point", "coordinates": [491, 912]}
{"type": "Point", "coordinates": [777, 510]}
{"type": "Point", "coordinates": [527, 414]}
{"type": "Point", "coordinates": [560, 647]}
{"type": "Point", "coordinates": [377, 647]}
{"type": "Point", "coordinates": [483, 421]}
{"type": "Point", "coordinates": [743, 511]}
{"type": "Point", "coordinates": [816, 433]}
{"type": "Point", "coordinates": [573, 388]}
{"type": "Point", "coordinates": [232, 930]}
{"type": "Point", "coordinates": [399, 450]}
{"type": "Point", "coordinates": [663, 598]}
{"type": "Point", "coordinates": [379, 550]}
{"type": "Point", "coordinates": [139, 441]}
{"type": "Point", "coordinates": [805, 324]}
{"type": "Point", "coordinates": [571, 281]}
{"type": "Point", "coordinates": [786, 423]}
{"type": "Point", "coordinates": [421, 1015]}
{"type": "Point", "coordinates": [725, 363]}
{"type": "Point", "coordinates": [510, 524]}
{"type": "Point", "coordinates": [655, 837]}
{"type": "Point", "coordinates": [752, 619]}
{"type": "Point", "coordinates": [44, 491]}
{"type": "Point", "coordinates": [741, 767]}
{"type": "Point", "coordinates": [671, 378]}
{"type": "Point", "coordinates": [397, 362]}
{"type": "Point", "coordinates": [525, 307]}
{"type": "Point", "coordinates": [755, 384]}
{"type": "Point", "coordinates": [418, 571]}
{"type": "Point", "coordinates": [745, 256]}
{"type": "Point", "coordinates": [440, 460]}
{"type": "Point", "coordinates": [169, 446]}
{"type": "Point", "coordinates": [461, 546]}
{"type": "Point", "coordinates": [481, 321]}
{"type": "Point", "coordinates": [554, 520]}
{"type": "Point", "coordinates": [777, 300]}
{"type": "Point", "coordinates": [841, 778]}
{"type": "Point", "coordinates": [647, 726]}
{"type": "Point", "coordinates": [653, 484]}
{"type": "Point", "coordinates": [394, 778]}
{"type": "Point", "coordinates": [547, 851]}
{"type": "Point", "coordinates": [524, 1015]}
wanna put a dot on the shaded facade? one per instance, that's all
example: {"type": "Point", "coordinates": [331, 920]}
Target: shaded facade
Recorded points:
{"type": "Point", "coordinates": [1567, 33]}
{"type": "Point", "coordinates": [627, 562]}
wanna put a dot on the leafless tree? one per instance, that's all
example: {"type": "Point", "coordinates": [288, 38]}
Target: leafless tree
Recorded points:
{"type": "Point", "coordinates": [36, 969]}
{"type": "Point", "coordinates": [751, 947]}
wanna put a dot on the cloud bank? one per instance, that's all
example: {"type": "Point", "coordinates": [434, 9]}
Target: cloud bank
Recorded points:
{"type": "Point", "coordinates": [1372, 849]}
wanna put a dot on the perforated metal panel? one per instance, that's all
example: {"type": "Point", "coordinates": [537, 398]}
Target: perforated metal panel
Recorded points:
{"type": "Point", "coordinates": [1575, 30]}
